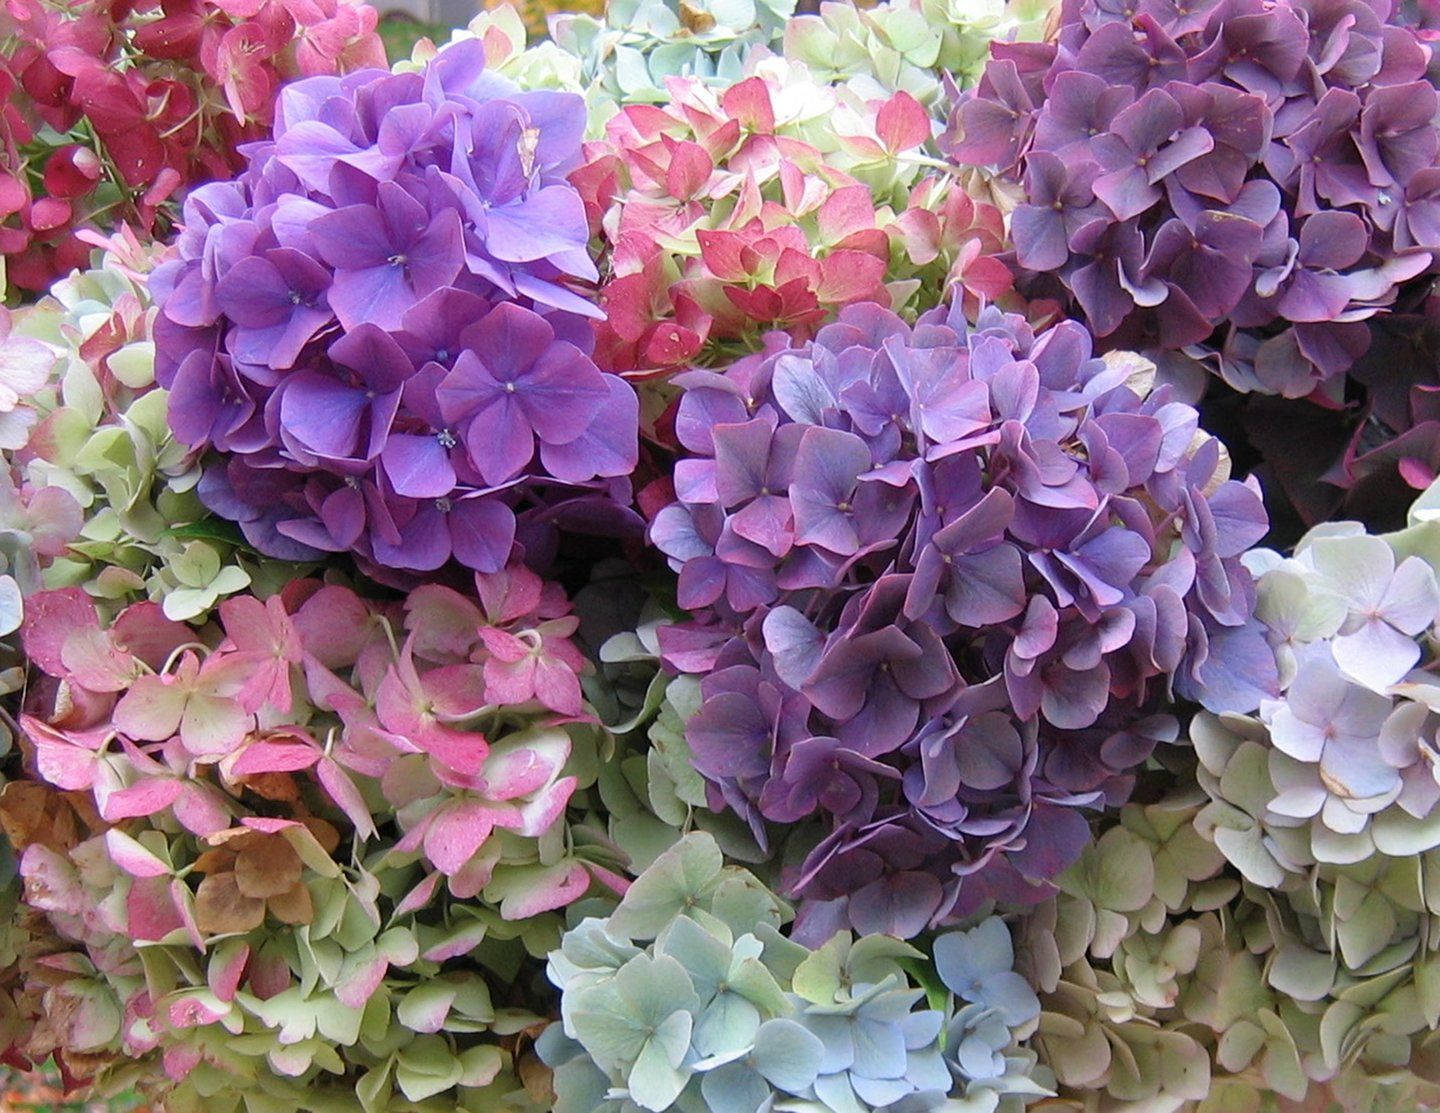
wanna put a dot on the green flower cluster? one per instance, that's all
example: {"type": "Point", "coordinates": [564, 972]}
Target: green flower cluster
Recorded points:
{"type": "Point", "coordinates": [687, 996]}
{"type": "Point", "coordinates": [101, 490]}
{"type": "Point", "coordinates": [1167, 981]}
{"type": "Point", "coordinates": [627, 54]}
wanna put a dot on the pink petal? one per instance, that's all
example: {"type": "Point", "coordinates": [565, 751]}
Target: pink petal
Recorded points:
{"type": "Point", "coordinates": [418, 897]}
{"type": "Point", "coordinates": [902, 123]}
{"type": "Point", "coordinates": [143, 799]}
{"type": "Point", "coordinates": [347, 798]}
{"type": "Point", "coordinates": [456, 833]}
{"type": "Point", "coordinates": [540, 814]}
{"type": "Point", "coordinates": [132, 857]}
{"type": "Point", "coordinates": [555, 887]}
{"type": "Point", "coordinates": [151, 710]}
{"type": "Point", "coordinates": [226, 969]}
{"type": "Point", "coordinates": [150, 909]}
{"type": "Point", "coordinates": [275, 757]}
{"type": "Point", "coordinates": [58, 760]}
{"type": "Point", "coordinates": [557, 687]}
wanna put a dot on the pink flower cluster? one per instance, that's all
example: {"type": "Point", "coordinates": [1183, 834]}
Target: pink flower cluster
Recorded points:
{"type": "Point", "coordinates": [146, 97]}
{"type": "Point", "coordinates": [423, 726]}
{"type": "Point", "coordinates": [725, 217]}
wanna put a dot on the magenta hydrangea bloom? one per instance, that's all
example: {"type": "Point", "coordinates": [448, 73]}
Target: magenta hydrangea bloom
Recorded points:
{"type": "Point", "coordinates": [943, 580]}
{"type": "Point", "coordinates": [1243, 181]}
{"type": "Point", "coordinates": [383, 328]}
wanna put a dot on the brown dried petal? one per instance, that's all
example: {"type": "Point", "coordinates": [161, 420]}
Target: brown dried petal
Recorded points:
{"type": "Point", "coordinates": [267, 868]}
{"type": "Point", "coordinates": [325, 833]}
{"type": "Point", "coordinates": [293, 906]}
{"type": "Point", "coordinates": [696, 20]}
{"type": "Point", "coordinates": [34, 813]}
{"type": "Point", "coordinates": [280, 787]}
{"type": "Point", "coordinates": [236, 838]}
{"type": "Point", "coordinates": [215, 861]}
{"type": "Point", "coordinates": [221, 908]}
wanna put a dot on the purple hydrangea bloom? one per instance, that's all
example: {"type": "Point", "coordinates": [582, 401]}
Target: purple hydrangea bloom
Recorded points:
{"type": "Point", "coordinates": [942, 579]}
{"type": "Point", "coordinates": [1245, 182]}
{"type": "Point", "coordinates": [383, 328]}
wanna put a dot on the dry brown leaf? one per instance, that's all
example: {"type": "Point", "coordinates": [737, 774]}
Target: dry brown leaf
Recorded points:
{"type": "Point", "coordinates": [293, 906]}
{"type": "Point", "coordinates": [267, 868]}
{"type": "Point", "coordinates": [221, 908]}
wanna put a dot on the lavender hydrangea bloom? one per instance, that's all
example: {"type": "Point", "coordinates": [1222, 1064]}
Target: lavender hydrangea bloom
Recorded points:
{"type": "Point", "coordinates": [942, 579]}
{"type": "Point", "coordinates": [1242, 181]}
{"type": "Point", "coordinates": [381, 325]}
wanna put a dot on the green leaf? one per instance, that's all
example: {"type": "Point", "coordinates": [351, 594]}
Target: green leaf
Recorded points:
{"type": "Point", "coordinates": [134, 365]}
{"type": "Point", "coordinates": [338, 1022]}
{"type": "Point", "coordinates": [1401, 835]}
{"type": "Point", "coordinates": [818, 978]}
{"type": "Point", "coordinates": [424, 1008]}
{"type": "Point", "coordinates": [753, 980]}
{"type": "Point", "coordinates": [480, 1065]}
{"type": "Point", "coordinates": [1239, 1046]}
{"type": "Point", "coordinates": [1116, 872]}
{"type": "Point", "coordinates": [426, 1067]}
{"type": "Point", "coordinates": [873, 958]}
{"type": "Point", "coordinates": [1301, 973]}
{"type": "Point", "coordinates": [742, 903]}
{"type": "Point", "coordinates": [615, 1018]}
{"type": "Point", "coordinates": [373, 1088]}
{"type": "Point", "coordinates": [704, 954]}
{"type": "Point", "coordinates": [1246, 852]}
{"type": "Point", "coordinates": [210, 529]}
{"type": "Point", "coordinates": [680, 880]}
{"type": "Point", "coordinates": [196, 565]}
{"type": "Point", "coordinates": [1280, 1063]}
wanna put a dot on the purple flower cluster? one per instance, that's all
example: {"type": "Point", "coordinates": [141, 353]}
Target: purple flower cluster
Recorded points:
{"type": "Point", "coordinates": [378, 325]}
{"type": "Point", "coordinates": [1244, 180]}
{"type": "Point", "coordinates": [942, 578]}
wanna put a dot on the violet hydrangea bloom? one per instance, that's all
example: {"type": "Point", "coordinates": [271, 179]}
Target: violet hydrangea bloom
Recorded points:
{"type": "Point", "coordinates": [944, 578]}
{"type": "Point", "coordinates": [381, 326]}
{"type": "Point", "coordinates": [1237, 180]}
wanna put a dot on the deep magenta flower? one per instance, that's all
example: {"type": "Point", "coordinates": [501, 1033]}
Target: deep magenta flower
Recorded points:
{"type": "Point", "coordinates": [383, 324]}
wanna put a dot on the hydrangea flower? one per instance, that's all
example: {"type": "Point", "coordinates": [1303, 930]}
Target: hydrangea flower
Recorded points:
{"type": "Point", "coordinates": [771, 204]}
{"type": "Point", "coordinates": [1340, 763]}
{"type": "Point", "coordinates": [339, 826]}
{"type": "Point", "coordinates": [381, 325]}
{"type": "Point", "coordinates": [944, 580]}
{"type": "Point", "coordinates": [910, 45]}
{"type": "Point", "coordinates": [1165, 979]}
{"type": "Point", "coordinates": [628, 54]}
{"type": "Point", "coordinates": [688, 995]}
{"type": "Point", "coordinates": [95, 440]}
{"type": "Point", "coordinates": [1241, 183]}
